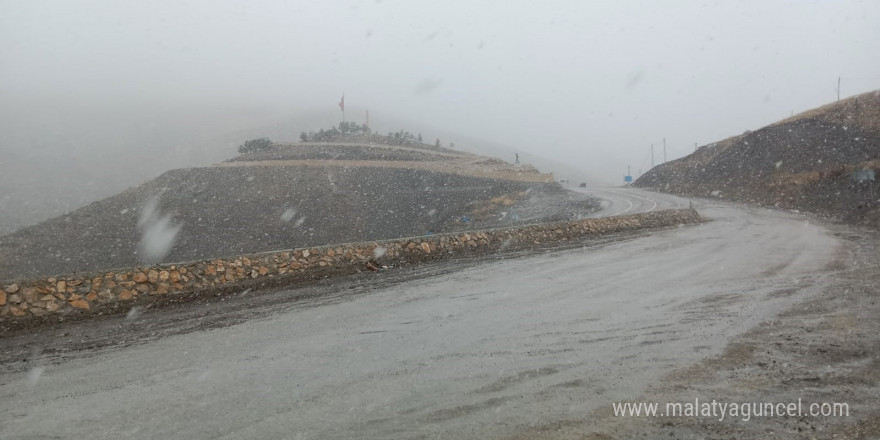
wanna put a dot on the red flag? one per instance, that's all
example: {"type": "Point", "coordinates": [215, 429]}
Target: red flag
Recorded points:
{"type": "Point", "coordinates": [342, 103]}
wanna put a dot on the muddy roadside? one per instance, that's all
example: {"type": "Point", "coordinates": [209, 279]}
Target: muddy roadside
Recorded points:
{"type": "Point", "coordinates": [823, 350]}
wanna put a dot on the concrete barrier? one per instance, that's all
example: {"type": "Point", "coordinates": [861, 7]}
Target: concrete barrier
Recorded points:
{"type": "Point", "coordinates": [60, 298]}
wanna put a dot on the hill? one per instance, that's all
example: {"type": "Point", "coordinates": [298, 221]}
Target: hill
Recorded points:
{"type": "Point", "coordinates": [290, 195]}
{"type": "Point", "coordinates": [806, 162]}
{"type": "Point", "coordinates": [56, 156]}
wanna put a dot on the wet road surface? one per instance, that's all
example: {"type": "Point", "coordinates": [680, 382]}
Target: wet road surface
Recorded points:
{"type": "Point", "coordinates": [486, 351]}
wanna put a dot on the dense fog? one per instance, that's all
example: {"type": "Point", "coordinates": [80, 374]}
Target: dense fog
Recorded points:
{"type": "Point", "coordinates": [99, 96]}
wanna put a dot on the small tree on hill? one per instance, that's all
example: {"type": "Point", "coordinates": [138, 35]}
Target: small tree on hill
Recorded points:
{"type": "Point", "coordinates": [253, 145]}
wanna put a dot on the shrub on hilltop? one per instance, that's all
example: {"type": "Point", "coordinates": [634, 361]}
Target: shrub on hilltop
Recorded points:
{"type": "Point", "coordinates": [354, 132]}
{"type": "Point", "coordinates": [254, 145]}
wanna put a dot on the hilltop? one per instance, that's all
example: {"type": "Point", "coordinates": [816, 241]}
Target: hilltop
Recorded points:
{"type": "Point", "coordinates": [281, 196]}
{"type": "Point", "coordinates": [806, 162]}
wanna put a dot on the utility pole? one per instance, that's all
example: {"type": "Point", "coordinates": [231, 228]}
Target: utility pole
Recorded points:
{"type": "Point", "coordinates": [664, 150]}
{"type": "Point", "coordinates": [838, 88]}
{"type": "Point", "coordinates": [627, 171]}
{"type": "Point", "coordinates": [652, 155]}
{"type": "Point", "coordinates": [695, 147]}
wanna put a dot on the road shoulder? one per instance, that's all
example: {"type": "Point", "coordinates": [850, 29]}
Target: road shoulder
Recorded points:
{"type": "Point", "coordinates": [822, 350]}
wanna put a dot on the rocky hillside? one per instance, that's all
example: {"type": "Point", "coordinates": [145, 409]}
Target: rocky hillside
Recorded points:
{"type": "Point", "coordinates": [290, 196]}
{"type": "Point", "coordinates": [806, 162]}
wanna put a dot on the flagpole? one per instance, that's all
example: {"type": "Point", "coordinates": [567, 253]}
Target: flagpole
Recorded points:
{"type": "Point", "coordinates": [342, 106]}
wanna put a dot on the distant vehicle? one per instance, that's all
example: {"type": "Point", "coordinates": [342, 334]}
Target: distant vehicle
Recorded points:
{"type": "Point", "coordinates": [583, 185]}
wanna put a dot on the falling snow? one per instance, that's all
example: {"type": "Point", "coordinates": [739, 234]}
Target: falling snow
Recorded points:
{"type": "Point", "coordinates": [159, 232]}
{"type": "Point", "coordinates": [288, 215]}
{"type": "Point", "coordinates": [34, 375]}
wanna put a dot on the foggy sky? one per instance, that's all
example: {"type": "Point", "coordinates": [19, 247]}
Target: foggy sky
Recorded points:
{"type": "Point", "coordinates": [591, 84]}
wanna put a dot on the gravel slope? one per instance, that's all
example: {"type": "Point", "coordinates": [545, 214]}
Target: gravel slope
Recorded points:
{"type": "Point", "coordinates": [225, 211]}
{"type": "Point", "coordinates": [803, 163]}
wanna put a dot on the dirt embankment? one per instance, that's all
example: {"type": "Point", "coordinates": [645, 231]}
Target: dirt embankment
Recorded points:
{"type": "Point", "coordinates": [387, 156]}
{"type": "Point", "coordinates": [339, 151]}
{"type": "Point", "coordinates": [806, 163]}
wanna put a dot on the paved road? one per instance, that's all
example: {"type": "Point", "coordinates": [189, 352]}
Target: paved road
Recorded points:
{"type": "Point", "coordinates": [488, 351]}
{"type": "Point", "coordinates": [621, 201]}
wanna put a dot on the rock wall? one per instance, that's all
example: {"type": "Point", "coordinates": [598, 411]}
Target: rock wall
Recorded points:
{"type": "Point", "coordinates": [60, 298]}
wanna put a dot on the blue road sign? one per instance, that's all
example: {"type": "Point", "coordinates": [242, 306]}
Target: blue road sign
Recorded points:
{"type": "Point", "coordinates": [627, 178]}
{"type": "Point", "coordinates": [863, 175]}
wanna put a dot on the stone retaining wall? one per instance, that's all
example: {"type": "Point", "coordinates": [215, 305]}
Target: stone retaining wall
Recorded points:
{"type": "Point", "coordinates": [63, 297]}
